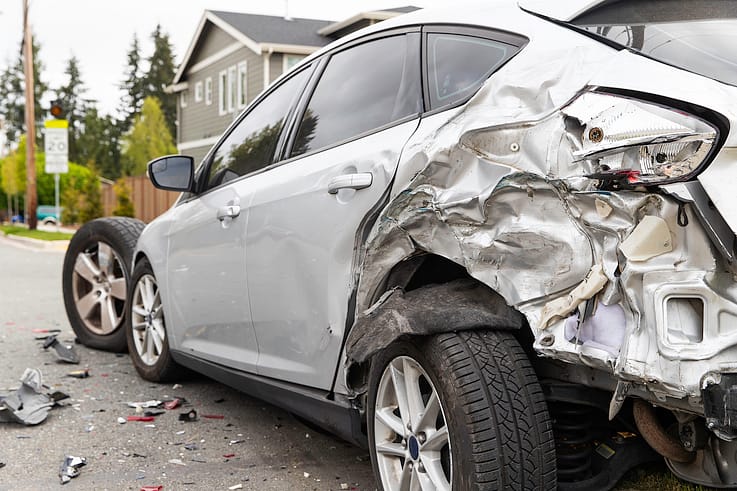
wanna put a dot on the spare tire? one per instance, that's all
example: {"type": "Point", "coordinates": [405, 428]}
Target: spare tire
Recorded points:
{"type": "Point", "coordinates": [95, 280]}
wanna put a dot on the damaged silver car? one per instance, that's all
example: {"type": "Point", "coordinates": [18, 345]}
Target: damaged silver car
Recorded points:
{"type": "Point", "coordinates": [493, 243]}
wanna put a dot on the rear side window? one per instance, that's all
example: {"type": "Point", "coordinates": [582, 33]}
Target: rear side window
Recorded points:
{"type": "Point", "coordinates": [459, 64]}
{"type": "Point", "coordinates": [362, 88]}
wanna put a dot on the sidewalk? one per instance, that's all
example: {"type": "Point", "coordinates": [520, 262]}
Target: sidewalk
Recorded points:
{"type": "Point", "coordinates": [35, 244]}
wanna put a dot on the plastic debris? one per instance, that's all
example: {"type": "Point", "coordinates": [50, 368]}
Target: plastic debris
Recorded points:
{"type": "Point", "coordinates": [145, 404]}
{"type": "Point", "coordinates": [27, 405]}
{"type": "Point", "coordinates": [306, 474]}
{"type": "Point", "coordinates": [213, 416]}
{"type": "Point", "coordinates": [122, 420]}
{"type": "Point", "coordinates": [152, 488]}
{"type": "Point", "coordinates": [85, 373]}
{"type": "Point", "coordinates": [176, 386]}
{"type": "Point", "coordinates": [174, 403]}
{"type": "Point", "coordinates": [235, 442]}
{"type": "Point", "coordinates": [237, 486]}
{"type": "Point", "coordinates": [140, 418]}
{"type": "Point", "coordinates": [229, 455]}
{"type": "Point", "coordinates": [2, 464]}
{"type": "Point", "coordinates": [176, 462]}
{"type": "Point", "coordinates": [343, 485]}
{"type": "Point", "coordinates": [64, 352]}
{"type": "Point", "coordinates": [155, 412]}
{"type": "Point", "coordinates": [70, 468]}
{"type": "Point", "coordinates": [189, 416]}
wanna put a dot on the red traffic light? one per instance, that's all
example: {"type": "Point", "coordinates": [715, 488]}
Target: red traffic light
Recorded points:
{"type": "Point", "coordinates": [57, 110]}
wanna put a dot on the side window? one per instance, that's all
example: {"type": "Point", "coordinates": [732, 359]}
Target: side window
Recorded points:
{"type": "Point", "coordinates": [252, 143]}
{"type": "Point", "coordinates": [458, 65]}
{"type": "Point", "coordinates": [362, 88]}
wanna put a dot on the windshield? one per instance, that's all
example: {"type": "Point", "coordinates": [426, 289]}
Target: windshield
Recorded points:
{"type": "Point", "coordinates": [699, 36]}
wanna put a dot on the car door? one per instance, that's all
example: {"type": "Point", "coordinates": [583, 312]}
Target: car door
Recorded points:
{"type": "Point", "coordinates": [207, 244]}
{"type": "Point", "coordinates": [307, 215]}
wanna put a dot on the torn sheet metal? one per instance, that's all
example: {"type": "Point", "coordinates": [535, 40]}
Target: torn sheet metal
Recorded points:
{"type": "Point", "coordinates": [65, 353]}
{"type": "Point", "coordinates": [29, 404]}
{"type": "Point", "coordinates": [69, 468]}
{"type": "Point", "coordinates": [518, 188]}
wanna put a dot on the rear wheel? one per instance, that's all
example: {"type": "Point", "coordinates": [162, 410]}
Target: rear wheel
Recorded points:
{"type": "Point", "coordinates": [459, 411]}
{"type": "Point", "coordinates": [95, 280]}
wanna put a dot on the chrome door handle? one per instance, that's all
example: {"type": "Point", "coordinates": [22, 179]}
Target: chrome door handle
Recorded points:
{"type": "Point", "coordinates": [350, 181]}
{"type": "Point", "coordinates": [229, 211]}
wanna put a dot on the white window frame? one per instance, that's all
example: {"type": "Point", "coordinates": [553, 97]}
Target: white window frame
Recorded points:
{"type": "Point", "coordinates": [183, 98]}
{"type": "Point", "coordinates": [285, 63]}
{"type": "Point", "coordinates": [242, 96]}
{"type": "Point", "coordinates": [198, 91]}
{"type": "Point", "coordinates": [232, 88]}
{"type": "Point", "coordinates": [222, 84]}
{"type": "Point", "coordinates": [208, 91]}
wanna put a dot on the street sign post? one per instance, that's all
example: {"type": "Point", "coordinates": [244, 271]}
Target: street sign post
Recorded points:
{"type": "Point", "coordinates": [56, 146]}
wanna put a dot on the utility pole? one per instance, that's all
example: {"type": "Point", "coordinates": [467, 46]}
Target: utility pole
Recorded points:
{"type": "Point", "coordinates": [31, 198]}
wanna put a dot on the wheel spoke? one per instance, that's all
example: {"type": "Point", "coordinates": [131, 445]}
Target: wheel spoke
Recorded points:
{"type": "Point", "coordinates": [139, 310]}
{"type": "Point", "coordinates": [105, 257]}
{"type": "Point", "coordinates": [108, 317]}
{"type": "Point", "coordinates": [85, 267]}
{"type": "Point", "coordinates": [87, 303]}
{"type": "Point", "coordinates": [390, 420]}
{"type": "Point", "coordinates": [392, 449]}
{"type": "Point", "coordinates": [414, 396]}
{"type": "Point", "coordinates": [430, 414]}
{"type": "Point", "coordinates": [426, 483]}
{"type": "Point", "coordinates": [436, 441]}
{"type": "Point", "coordinates": [157, 340]}
{"type": "Point", "coordinates": [414, 483]}
{"type": "Point", "coordinates": [400, 391]}
{"type": "Point", "coordinates": [406, 479]}
{"type": "Point", "coordinates": [117, 288]}
{"type": "Point", "coordinates": [434, 471]}
{"type": "Point", "coordinates": [139, 326]}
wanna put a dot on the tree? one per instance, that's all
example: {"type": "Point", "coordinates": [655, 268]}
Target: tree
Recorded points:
{"type": "Point", "coordinates": [133, 85]}
{"type": "Point", "coordinates": [74, 106]}
{"type": "Point", "coordinates": [123, 195]}
{"type": "Point", "coordinates": [12, 98]}
{"type": "Point", "coordinates": [13, 170]}
{"type": "Point", "coordinates": [160, 74]}
{"type": "Point", "coordinates": [148, 138]}
{"type": "Point", "coordinates": [100, 143]}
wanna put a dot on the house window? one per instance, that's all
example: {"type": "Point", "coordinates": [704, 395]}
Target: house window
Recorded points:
{"type": "Point", "coordinates": [232, 89]}
{"type": "Point", "coordinates": [183, 98]}
{"type": "Point", "coordinates": [222, 99]}
{"type": "Point", "coordinates": [198, 92]}
{"type": "Point", "coordinates": [208, 90]}
{"type": "Point", "coordinates": [290, 61]}
{"type": "Point", "coordinates": [242, 85]}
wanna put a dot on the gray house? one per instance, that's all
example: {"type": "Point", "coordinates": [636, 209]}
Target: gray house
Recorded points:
{"type": "Point", "coordinates": [233, 57]}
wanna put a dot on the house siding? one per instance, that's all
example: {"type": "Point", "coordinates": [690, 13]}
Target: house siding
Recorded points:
{"type": "Point", "coordinates": [276, 63]}
{"type": "Point", "coordinates": [213, 39]}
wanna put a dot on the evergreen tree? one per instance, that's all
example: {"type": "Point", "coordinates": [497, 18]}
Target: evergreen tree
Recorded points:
{"type": "Point", "coordinates": [148, 138]}
{"type": "Point", "coordinates": [100, 143]}
{"type": "Point", "coordinates": [160, 74]}
{"type": "Point", "coordinates": [133, 85]}
{"type": "Point", "coordinates": [12, 96]}
{"type": "Point", "coordinates": [74, 106]}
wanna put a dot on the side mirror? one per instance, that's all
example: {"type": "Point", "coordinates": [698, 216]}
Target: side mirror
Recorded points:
{"type": "Point", "coordinates": [173, 172]}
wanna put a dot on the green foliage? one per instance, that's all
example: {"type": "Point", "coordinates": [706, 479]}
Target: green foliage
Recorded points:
{"type": "Point", "coordinates": [125, 204]}
{"type": "Point", "coordinates": [100, 143]}
{"type": "Point", "coordinates": [33, 234]}
{"type": "Point", "coordinates": [75, 107]}
{"type": "Point", "coordinates": [92, 203]}
{"type": "Point", "coordinates": [161, 71]}
{"type": "Point", "coordinates": [148, 138]}
{"type": "Point", "coordinates": [73, 186]}
{"type": "Point", "coordinates": [12, 96]}
{"type": "Point", "coordinates": [13, 170]}
{"type": "Point", "coordinates": [133, 85]}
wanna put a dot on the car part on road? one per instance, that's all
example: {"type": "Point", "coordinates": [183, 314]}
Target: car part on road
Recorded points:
{"type": "Point", "coordinates": [95, 280]}
{"type": "Point", "coordinates": [459, 410]}
{"type": "Point", "coordinates": [27, 405]}
{"type": "Point", "coordinates": [84, 373]}
{"type": "Point", "coordinates": [189, 416]}
{"type": "Point", "coordinates": [64, 352]}
{"type": "Point", "coordinates": [147, 341]}
{"type": "Point", "coordinates": [69, 468]}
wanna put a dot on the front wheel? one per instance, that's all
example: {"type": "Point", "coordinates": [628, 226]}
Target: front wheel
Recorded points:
{"type": "Point", "coordinates": [459, 411]}
{"type": "Point", "coordinates": [148, 343]}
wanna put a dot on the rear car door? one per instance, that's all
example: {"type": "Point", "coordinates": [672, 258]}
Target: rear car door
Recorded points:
{"type": "Point", "coordinates": [207, 244]}
{"type": "Point", "coordinates": [307, 215]}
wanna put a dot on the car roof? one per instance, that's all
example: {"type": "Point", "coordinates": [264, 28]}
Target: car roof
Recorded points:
{"type": "Point", "coordinates": [564, 10]}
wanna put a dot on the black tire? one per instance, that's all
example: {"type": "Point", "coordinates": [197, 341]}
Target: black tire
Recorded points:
{"type": "Point", "coordinates": [153, 361]}
{"type": "Point", "coordinates": [120, 234]}
{"type": "Point", "coordinates": [499, 431]}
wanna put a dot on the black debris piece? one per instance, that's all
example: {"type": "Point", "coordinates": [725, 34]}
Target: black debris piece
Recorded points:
{"type": "Point", "coordinates": [65, 353]}
{"type": "Point", "coordinates": [27, 405]}
{"type": "Point", "coordinates": [154, 412]}
{"type": "Point", "coordinates": [70, 468]}
{"type": "Point", "coordinates": [188, 416]}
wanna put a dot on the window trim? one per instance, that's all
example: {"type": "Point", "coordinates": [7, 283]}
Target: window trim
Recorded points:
{"type": "Point", "coordinates": [198, 88]}
{"type": "Point", "coordinates": [232, 91]}
{"type": "Point", "coordinates": [222, 100]}
{"type": "Point", "coordinates": [497, 35]}
{"type": "Point", "coordinates": [284, 66]}
{"type": "Point", "coordinates": [242, 85]}
{"type": "Point", "coordinates": [183, 98]}
{"type": "Point", "coordinates": [208, 91]}
{"type": "Point", "coordinates": [323, 61]}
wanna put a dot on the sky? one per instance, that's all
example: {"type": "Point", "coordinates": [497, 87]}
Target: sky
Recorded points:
{"type": "Point", "coordinates": [99, 32]}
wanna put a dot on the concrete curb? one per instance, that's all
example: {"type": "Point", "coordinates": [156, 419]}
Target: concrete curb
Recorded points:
{"type": "Point", "coordinates": [35, 244]}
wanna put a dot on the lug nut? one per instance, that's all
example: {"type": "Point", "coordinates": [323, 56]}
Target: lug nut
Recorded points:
{"type": "Point", "coordinates": [421, 437]}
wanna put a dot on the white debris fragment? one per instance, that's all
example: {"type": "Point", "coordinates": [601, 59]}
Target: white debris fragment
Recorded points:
{"type": "Point", "coordinates": [343, 485]}
{"type": "Point", "coordinates": [603, 208]}
{"type": "Point", "coordinates": [177, 462]}
{"type": "Point", "coordinates": [560, 307]}
{"type": "Point", "coordinates": [237, 486]}
{"type": "Point", "coordinates": [306, 474]}
{"type": "Point", "coordinates": [121, 420]}
{"type": "Point", "coordinates": [650, 238]}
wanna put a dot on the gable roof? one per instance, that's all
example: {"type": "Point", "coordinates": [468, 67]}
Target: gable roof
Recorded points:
{"type": "Point", "coordinates": [276, 30]}
{"type": "Point", "coordinates": [376, 15]}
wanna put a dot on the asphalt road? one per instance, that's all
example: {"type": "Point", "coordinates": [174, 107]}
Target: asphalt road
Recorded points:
{"type": "Point", "coordinates": [254, 445]}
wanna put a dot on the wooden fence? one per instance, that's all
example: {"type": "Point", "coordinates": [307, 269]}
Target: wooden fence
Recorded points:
{"type": "Point", "coordinates": [148, 202]}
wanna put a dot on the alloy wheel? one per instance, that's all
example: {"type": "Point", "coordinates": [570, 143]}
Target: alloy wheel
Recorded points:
{"type": "Point", "coordinates": [147, 320]}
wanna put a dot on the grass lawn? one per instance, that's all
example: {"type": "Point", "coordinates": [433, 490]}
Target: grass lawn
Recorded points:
{"type": "Point", "coordinates": [33, 234]}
